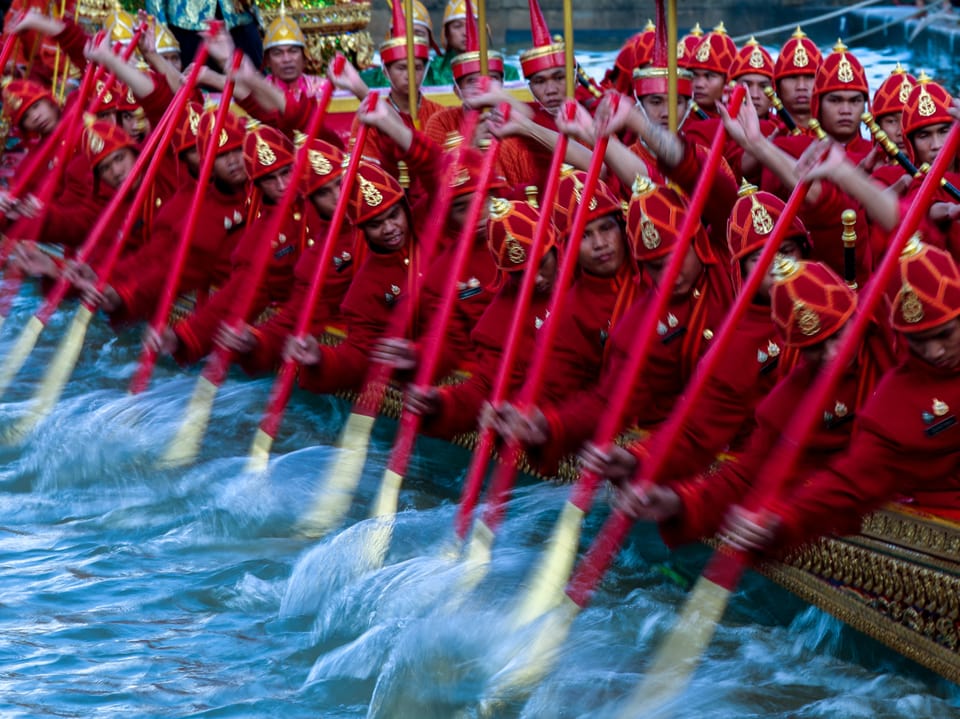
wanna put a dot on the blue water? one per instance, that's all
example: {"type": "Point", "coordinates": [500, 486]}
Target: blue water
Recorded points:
{"type": "Point", "coordinates": [127, 590]}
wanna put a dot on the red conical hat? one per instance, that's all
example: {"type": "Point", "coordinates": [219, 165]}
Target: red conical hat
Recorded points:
{"type": "Point", "coordinates": [752, 219]}
{"type": "Point", "coordinates": [395, 48]}
{"type": "Point", "coordinates": [375, 191]}
{"type": "Point", "coordinates": [893, 92]}
{"type": "Point", "coordinates": [653, 79]}
{"type": "Point", "coordinates": [798, 56]}
{"type": "Point", "coordinates": [809, 302]}
{"type": "Point", "coordinates": [715, 52]}
{"type": "Point", "coordinates": [927, 288]}
{"type": "Point", "coordinates": [570, 197]}
{"type": "Point", "coordinates": [654, 216]}
{"type": "Point", "coordinates": [101, 139]}
{"type": "Point", "coordinates": [231, 136]}
{"type": "Point", "coordinates": [687, 45]}
{"type": "Point", "coordinates": [510, 231]}
{"type": "Point", "coordinates": [545, 53]}
{"type": "Point", "coordinates": [468, 62]}
{"type": "Point", "coordinates": [927, 104]}
{"type": "Point", "coordinates": [751, 59]}
{"type": "Point", "coordinates": [266, 150]}
{"type": "Point", "coordinates": [185, 136]}
{"type": "Point", "coordinates": [840, 71]}
{"type": "Point", "coordinates": [324, 165]}
{"type": "Point", "coordinates": [20, 95]}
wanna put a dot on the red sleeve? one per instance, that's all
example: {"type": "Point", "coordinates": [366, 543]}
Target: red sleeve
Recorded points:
{"type": "Point", "coordinates": [72, 39]}
{"type": "Point", "coordinates": [159, 99]}
{"type": "Point", "coordinates": [269, 117]}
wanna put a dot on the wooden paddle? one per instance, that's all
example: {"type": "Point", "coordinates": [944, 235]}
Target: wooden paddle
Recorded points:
{"type": "Point", "coordinates": [185, 444]}
{"type": "Point", "coordinates": [566, 534]}
{"type": "Point", "coordinates": [505, 473]}
{"type": "Point", "coordinates": [332, 501]}
{"type": "Point", "coordinates": [148, 357]}
{"type": "Point", "coordinates": [477, 470]}
{"type": "Point", "coordinates": [385, 504]}
{"type": "Point", "coordinates": [679, 655]}
{"type": "Point", "coordinates": [65, 358]}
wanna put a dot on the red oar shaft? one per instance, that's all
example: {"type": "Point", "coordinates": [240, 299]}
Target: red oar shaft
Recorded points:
{"type": "Point", "coordinates": [506, 472]}
{"type": "Point", "coordinates": [473, 482]}
{"type": "Point", "coordinates": [215, 370]}
{"type": "Point", "coordinates": [148, 356]}
{"type": "Point", "coordinates": [433, 344]}
{"type": "Point", "coordinates": [8, 45]}
{"type": "Point", "coordinates": [283, 385]}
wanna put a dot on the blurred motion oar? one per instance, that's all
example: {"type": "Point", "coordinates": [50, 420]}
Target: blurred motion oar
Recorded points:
{"type": "Point", "coordinates": [385, 504]}
{"type": "Point", "coordinates": [678, 656]}
{"type": "Point", "coordinates": [148, 357]}
{"type": "Point", "coordinates": [185, 444]}
{"type": "Point", "coordinates": [335, 495]}
{"type": "Point", "coordinates": [542, 596]}
{"type": "Point", "coordinates": [65, 358]}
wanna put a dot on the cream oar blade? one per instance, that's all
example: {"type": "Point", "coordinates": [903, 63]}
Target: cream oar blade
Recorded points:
{"type": "Point", "coordinates": [21, 349]}
{"type": "Point", "coordinates": [185, 445]}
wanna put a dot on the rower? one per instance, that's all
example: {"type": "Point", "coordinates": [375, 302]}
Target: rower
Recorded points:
{"type": "Point", "coordinates": [285, 57]}
{"type": "Point", "coordinates": [793, 75]}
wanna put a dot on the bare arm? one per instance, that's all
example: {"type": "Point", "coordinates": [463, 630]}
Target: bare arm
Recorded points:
{"type": "Point", "coordinates": [148, 48]}
{"type": "Point", "coordinates": [745, 131]}
{"type": "Point", "coordinates": [140, 84]}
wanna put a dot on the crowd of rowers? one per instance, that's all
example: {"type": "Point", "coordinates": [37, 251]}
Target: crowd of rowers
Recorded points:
{"type": "Point", "coordinates": [890, 431]}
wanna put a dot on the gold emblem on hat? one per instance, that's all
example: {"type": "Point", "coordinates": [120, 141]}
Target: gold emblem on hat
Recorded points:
{"type": "Point", "coordinates": [223, 138]}
{"type": "Point", "coordinates": [844, 70]}
{"type": "Point", "coordinates": [940, 407]}
{"type": "Point", "coordinates": [96, 143]}
{"type": "Point", "coordinates": [515, 252]}
{"type": "Point", "coordinates": [578, 192]}
{"type": "Point", "coordinates": [649, 232]}
{"type": "Point", "coordinates": [800, 57]}
{"type": "Point", "coordinates": [320, 164]}
{"type": "Point", "coordinates": [461, 178]}
{"type": "Point", "coordinates": [927, 106]}
{"type": "Point", "coordinates": [762, 222]}
{"type": "Point", "coordinates": [194, 120]}
{"type": "Point", "coordinates": [265, 156]}
{"type": "Point", "coordinates": [703, 50]}
{"type": "Point", "coordinates": [910, 306]}
{"type": "Point", "coordinates": [756, 58]}
{"type": "Point", "coordinates": [642, 186]}
{"type": "Point", "coordinates": [371, 195]}
{"type": "Point", "coordinates": [807, 320]}
{"type": "Point", "coordinates": [905, 89]}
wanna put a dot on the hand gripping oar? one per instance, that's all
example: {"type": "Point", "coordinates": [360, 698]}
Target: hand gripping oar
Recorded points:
{"type": "Point", "coordinates": [678, 656]}
{"type": "Point", "coordinates": [67, 353]}
{"type": "Point", "coordinates": [563, 543]}
{"type": "Point", "coordinates": [332, 501]}
{"type": "Point", "coordinates": [148, 357]}
{"type": "Point", "coordinates": [185, 444]}
{"type": "Point", "coordinates": [283, 385]}
{"type": "Point", "coordinates": [477, 470]}
{"type": "Point", "coordinates": [385, 504]}
{"type": "Point", "coordinates": [504, 475]}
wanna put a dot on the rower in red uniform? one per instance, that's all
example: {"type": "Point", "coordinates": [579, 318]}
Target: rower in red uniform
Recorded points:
{"type": "Point", "coordinates": [888, 103]}
{"type": "Point", "coordinates": [810, 306]}
{"type": "Point", "coordinates": [793, 74]}
{"type": "Point", "coordinates": [710, 66]}
{"type": "Point", "coordinates": [752, 67]}
{"type": "Point", "coordinates": [636, 52]}
{"type": "Point", "coordinates": [906, 443]}
{"type": "Point", "coordinates": [687, 46]}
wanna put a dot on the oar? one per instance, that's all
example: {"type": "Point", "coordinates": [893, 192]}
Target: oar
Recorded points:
{"type": "Point", "coordinates": [679, 654]}
{"type": "Point", "coordinates": [185, 444]}
{"type": "Point", "coordinates": [148, 357]}
{"type": "Point", "coordinates": [566, 534]}
{"type": "Point", "coordinates": [477, 470]}
{"type": "Point", "coordinates": [481, 537]}
{"type": "Point", "coordinates": [65, 358]}
{"type": "Point", "coordinates": [385, 504]}
{"type": "Point", "coordinates": [332, 501]}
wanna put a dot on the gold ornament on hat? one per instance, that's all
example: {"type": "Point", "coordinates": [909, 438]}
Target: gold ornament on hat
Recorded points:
{"type": "Point", "coordinates": [460, 178]}
{"type": "Point", "coordinates": [499, 208]}
{"type": "Point", "coordinates": [927, 106]}
{"type": "Point", "coordinates": [320, 164]}
{"type": "Point", "coordinates": [371, 195]}
{"type": "Point", "coordinates": [807, 320]}
{"type": "Point", "coordinates": [515, 252]}
{"type": "Point", "coordinates": [762, 222]}
{"type": "Point", "coordinates": [14, 102]}
{"type": "Point", "coordinates": [578, 193]}
{"type": "Point", "coordinates": [265, 156]}
{"type": "Point", "coordinates": [223, 138]}
{"type": "Point", "coordinates": [845, 70]}
{"type": "Point", "coordinates": [194, 120]}
{"type": "Point", "coordinates": [648, 232]}
{"type": "Point", "coordinates": [642, 186]}
{"type": "Point", "coordinates": [756, 59]}
{"type": "Point", "coordinates": [703, 50]}
{"type": "Point", "coordinates": [800, 57]}
{"type": "Point", "coordinates": [910, 306]}
{"type": "Point", "coordinates": [96, 143]}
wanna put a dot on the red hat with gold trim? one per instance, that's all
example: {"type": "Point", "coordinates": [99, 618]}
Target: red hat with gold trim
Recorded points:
{"type": "Point", "coordinates": [809, 302]}
{"type": "Point", "coordinates": [20, 95]}
{"type": "Point", "coordinates": [265, 150]}
{"type": "Point", "coordinates": [324, 164]}
{"type": "Point", "coordinates": [839, 72]}
{"type": "Point", "coordinates": [798, 56]}
{"type": "Point", "coordinates": [715, 52]}
{"type": "Point", "coordinates": [653, 79]}
{"type": "Point", "coordinates": [467, 177]}
{"type": "Point", "coordinates": [467, 63]}
{"type": "Point", "coordinates": [752, 220]}
{"type": "Point", "coordinates": [751, 59]}
{"type": "Point", "coordinates": [126, 100]}
{"type": "Point", "coordinates": [374, 191]}
{"type": "Point", "coordinates": [231, 136]}
{"type": "Point", "coordinates": [927, 104]}
{"type": "Point", "coordinates": [185, 136]}
{"type": "Point", "coordinates": [637, 51]}
{"type": "Point", "coordinates": [395, 47]}
{"type": "Point", "coordinates": [927, 288]}
{"type": "Point", "coordinates": [654, 216]}
{"type": "Point", "coordinates": [893, 92]}
{"type": "Point", "coordinates": [687, 46]}
{"type": "Point", "coordinates": [110, 100]}
{"type": "Point", "coordinates": [570, 196]}
{"type": "Point", "coordinates": [101, 139]}
{"type": "Point", "coordinates": [510, 231]}
{"type": "Point", "coordinates": [545, 53]}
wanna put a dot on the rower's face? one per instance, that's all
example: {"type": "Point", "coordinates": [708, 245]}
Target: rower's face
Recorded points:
{"type": "Point", "coordinates": [796, 92]}
{"type": "Point", "coordinates": [397, 73]}
{"type": "Point", "coordinates": [890, 124]}
{"type": "Point", "coordinates": [689, 272]}
{"type": "Point", "coordinates": [41, 117]}
{"type": "Point", "coordinates": [114, 168]}
{"type": "Point", "coordinates": [456, 35]}
{"type": "Point", "coordinates": [325, 199]}
{"type": "Point", "coordinates": [228, 168]}
{"type": "Point", "coordinates": [388, 231]}
{"type": "Point", "coordinates": [602, 247]}
{"type": "Point", "coordinates": [657, 108]}
{"type": "Point", "coordinates": [275, 184]}
{"type": "Point", "coordinates": [191, 156]}
{"type": "Point", "coordinates": [755, 84]}
{"type": "Point", "coordinates": [927, 141]}
{"type": "Point", "coordinates": [548, 88]}
{"type": "Point", "coordinates": [939, 346]}
{"type": "Point", "coordinates": [707, 88]}
{"type": "Point", "coordinates": [547, 273]}
{"type": "Point", "coordinates": [840, 114]}
{"type": "Point", "coordinates": [285, 62]}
